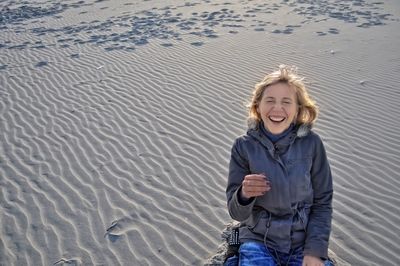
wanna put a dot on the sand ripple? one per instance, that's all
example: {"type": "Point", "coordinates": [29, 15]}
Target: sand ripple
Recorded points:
{"type": "Point", "coordinates": [117, 120]}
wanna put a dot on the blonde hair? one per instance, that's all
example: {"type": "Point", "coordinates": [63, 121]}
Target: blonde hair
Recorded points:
{"type": "Point", "coordinates": [307, 108]}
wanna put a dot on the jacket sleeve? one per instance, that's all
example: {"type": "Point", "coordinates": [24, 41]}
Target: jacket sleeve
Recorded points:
{"type": "Point", "coordinates": [319, 225]}
{"type": "Point", "coordinates": [238, 169]}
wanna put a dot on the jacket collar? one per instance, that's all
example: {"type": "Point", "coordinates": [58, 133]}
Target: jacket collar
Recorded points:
{"type": "Point", "coordinates": [299, 131]}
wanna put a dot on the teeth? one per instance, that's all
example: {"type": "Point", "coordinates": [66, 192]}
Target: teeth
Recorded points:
{"type": "Point", "coordinates": [276, 118]}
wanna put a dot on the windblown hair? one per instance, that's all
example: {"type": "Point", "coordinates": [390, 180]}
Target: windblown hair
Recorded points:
{"type": "Point", "coordinates": [308, 110]}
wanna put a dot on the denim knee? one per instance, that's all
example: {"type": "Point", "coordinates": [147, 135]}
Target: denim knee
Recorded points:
{"type": "Point", "coordinates": [255, 253]}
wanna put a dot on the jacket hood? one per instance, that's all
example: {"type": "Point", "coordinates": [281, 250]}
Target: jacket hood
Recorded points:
{"type": "Point", "coordinates": [301, 131]}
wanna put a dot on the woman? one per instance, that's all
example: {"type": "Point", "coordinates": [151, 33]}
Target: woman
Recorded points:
{"type": "Point", "coordinates": [280, 183]}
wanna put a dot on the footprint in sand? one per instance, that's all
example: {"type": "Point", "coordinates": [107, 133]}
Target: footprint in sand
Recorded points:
{"type": "Point", "coordinates": [119, 227]}
{"type": "Point", "coordinates": [197, 43]}
{"type": "Point", "coordinates": [63, 261]}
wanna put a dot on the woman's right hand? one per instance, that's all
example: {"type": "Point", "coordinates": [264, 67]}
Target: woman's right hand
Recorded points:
{"type": "Point", "coordinates": [254, 185]}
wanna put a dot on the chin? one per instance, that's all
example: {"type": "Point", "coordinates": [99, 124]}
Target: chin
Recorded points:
{"type": "Point", "coordinates": [277, 132]}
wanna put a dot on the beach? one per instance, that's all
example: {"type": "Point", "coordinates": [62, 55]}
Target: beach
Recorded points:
{"type": "Point", "coordinates": [117, 119]}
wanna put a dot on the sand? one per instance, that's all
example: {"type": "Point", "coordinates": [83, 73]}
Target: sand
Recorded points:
{"type": "Point", "coordinates": [117, 119]}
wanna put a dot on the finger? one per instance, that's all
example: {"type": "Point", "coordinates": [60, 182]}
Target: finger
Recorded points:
{"type": "Point", "coordinates": [256, 183]}
{"type": "Point", "coordinates": [253, 195]}
{"type": "Point", "coordinates": [255, 177]}
{"type": "Point", "coordinates": [255, 189]}
{"type": "Point", "coordinates": [263, 187]}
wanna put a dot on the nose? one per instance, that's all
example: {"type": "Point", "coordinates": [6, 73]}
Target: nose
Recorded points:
{"type": "Point", "coordinates": [277, 105]}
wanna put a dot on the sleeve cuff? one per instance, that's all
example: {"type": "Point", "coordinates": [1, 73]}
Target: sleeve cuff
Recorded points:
{"type": "Point", "coordinates": [241, 200]}
{"type": "Point", "coordinates": [319, 253]}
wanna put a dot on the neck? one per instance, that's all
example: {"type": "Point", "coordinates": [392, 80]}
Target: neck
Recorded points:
{"type": "Point", "coordinates": [275, 137]}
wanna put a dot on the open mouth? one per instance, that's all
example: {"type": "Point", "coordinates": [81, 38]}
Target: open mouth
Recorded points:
{"type": "Point", "coordinates": [277, 119]}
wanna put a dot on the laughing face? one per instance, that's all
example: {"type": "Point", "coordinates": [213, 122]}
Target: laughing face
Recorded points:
{"type": "Point", "coordinates": [278, 107]}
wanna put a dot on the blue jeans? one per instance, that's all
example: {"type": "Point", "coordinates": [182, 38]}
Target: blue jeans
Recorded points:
{"type": "Point", "coordinates": [256, 254]}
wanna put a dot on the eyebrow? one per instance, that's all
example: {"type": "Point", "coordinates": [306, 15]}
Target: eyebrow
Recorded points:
{"type": "Point", "coordinates": [284, 98]}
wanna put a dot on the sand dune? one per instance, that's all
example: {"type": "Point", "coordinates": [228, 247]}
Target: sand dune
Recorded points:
{"type": "Point", "coordinates": [117, 120]}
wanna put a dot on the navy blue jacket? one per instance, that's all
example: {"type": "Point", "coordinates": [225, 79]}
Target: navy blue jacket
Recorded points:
{"type": "Point", "coordinates": [297, 211]}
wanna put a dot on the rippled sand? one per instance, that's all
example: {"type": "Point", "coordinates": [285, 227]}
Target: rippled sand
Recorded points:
{"type": "Point", "coordinates": [117, 119]}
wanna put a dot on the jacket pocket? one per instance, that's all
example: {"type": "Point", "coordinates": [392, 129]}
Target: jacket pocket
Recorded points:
{"type": "Point", "coordinates": [299, 228]}
{"type": "Point", "coordinates": [301, 218]}
{"type": "Point", "coordinates": [259, 223]}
